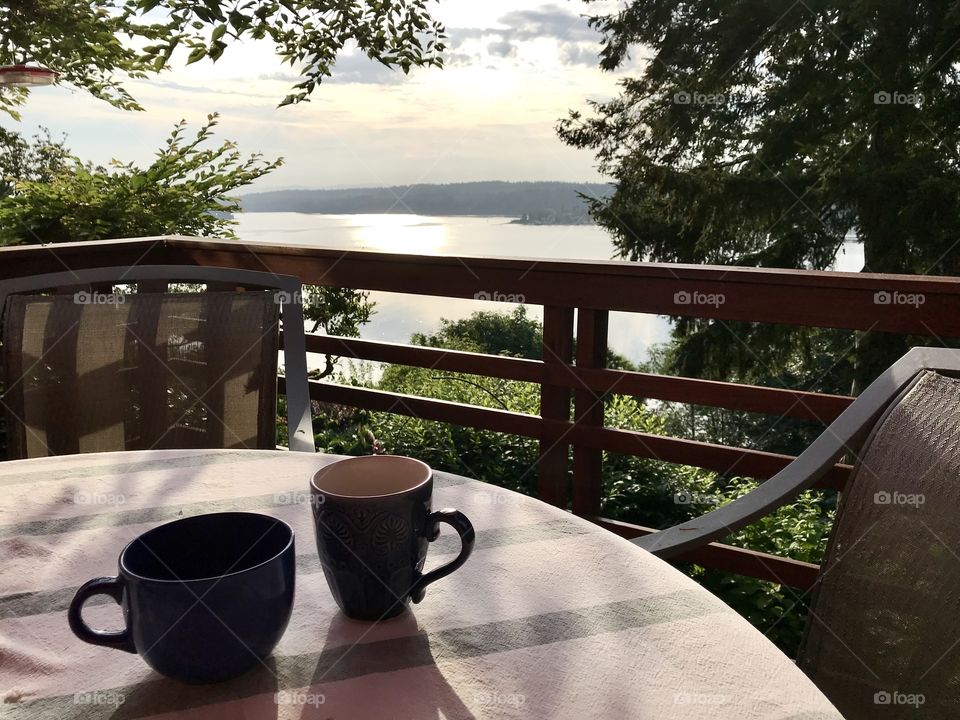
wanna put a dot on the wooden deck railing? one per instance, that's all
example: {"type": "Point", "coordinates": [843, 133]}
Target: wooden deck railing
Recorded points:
{"type": "Point", "coordinates": [584, 292]}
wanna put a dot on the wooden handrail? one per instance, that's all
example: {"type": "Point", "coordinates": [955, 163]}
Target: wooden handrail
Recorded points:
{"type": "Point", "coordinates": [764, 295]}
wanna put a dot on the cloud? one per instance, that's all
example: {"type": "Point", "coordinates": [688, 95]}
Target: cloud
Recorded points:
{"type": "Point", "coordinates": [578, 43]}
{"type": "Point", "coordinates": [220, 89]}
{"type": "Point", "coordinates": [551, 21]}
{"type": "Point", "coordinates": [572, 53]}
{"type": "Point", "coordinates": [460, 59]}
{"type": "Point", "coordinates": [351, 67]}
{"type": "Point", "coordinates": [358, 68]}
{"type": "Point", "coordinates": [502, 48]}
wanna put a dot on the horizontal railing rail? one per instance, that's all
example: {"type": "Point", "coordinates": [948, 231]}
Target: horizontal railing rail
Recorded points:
{"type": "Point", "coordinates": [792, 297]}
{"type": "Point", "coordinates": [733, 396]}
{"type": "Point", "coordinates": [721, 458]}
{"type": "Point", "coordinates": [577, 297]}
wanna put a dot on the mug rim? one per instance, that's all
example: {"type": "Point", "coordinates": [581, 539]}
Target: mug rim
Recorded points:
{"type": "Point", "coordinates": [124, 570]}
{"type": "Point", "coordinates": [368, 458]}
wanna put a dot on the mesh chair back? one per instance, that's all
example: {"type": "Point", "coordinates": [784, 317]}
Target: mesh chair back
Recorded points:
{"type": "Point", "coordinates": [150, 370]}
{"type": "Point", "coordinates": [883, 639]}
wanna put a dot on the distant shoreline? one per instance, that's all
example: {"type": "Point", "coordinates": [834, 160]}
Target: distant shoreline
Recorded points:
{"type": "Point", "coordinates": [529, 203]}
{"type": "Point", "coordinates": [510, 220]}
{"type": "Point", "coordinates": [521, 221]}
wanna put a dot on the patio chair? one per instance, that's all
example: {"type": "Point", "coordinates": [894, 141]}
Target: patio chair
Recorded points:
{"type": "Point", "coordinates": [883, 635]}
{"type": "Point", "coordinates": [88, 368]}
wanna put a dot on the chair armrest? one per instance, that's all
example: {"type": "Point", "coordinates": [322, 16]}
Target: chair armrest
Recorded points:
{"type": "Point", "coordinates": [845, 434]}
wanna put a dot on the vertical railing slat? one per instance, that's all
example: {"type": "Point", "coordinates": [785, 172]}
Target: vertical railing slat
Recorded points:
{"type": "Point", "coordinates": [592, 328]}
{"type": "Point", "coordinates": [555, 405]}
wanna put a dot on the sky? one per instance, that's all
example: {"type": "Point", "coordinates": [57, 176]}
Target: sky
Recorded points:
{"type": "Point", "coordinates": [514, 68]}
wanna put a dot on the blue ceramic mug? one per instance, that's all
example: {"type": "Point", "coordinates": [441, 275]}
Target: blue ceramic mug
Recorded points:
{"type": "Point", "coordinates": [373, 521]}
{"type": "Point", "coordinates": [205, 598]}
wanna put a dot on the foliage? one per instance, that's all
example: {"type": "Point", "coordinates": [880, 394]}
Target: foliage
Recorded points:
{"type": "Point", "coordinates": [822, 363]}
{"type": "Point", "coordinates": [489, 332]}
{"type": "Point", "coordinates": [647, 492]}
{"type": "Point", "coordinates": [336, 311]}
{"type": "Point", "coordinates": [83, 40]}
{"type": "Point", "coordinates": [760, 135]}
{"type": "Point", "coordinates": [515, 334]}
{"type": "Point", "coordinates": [36, 161]}
{"type": "Point", "coordinates": [506, 460]}
{"type": "Point", "coordinates": [184, 191]}
{"type": "Point", "coordinates": [798, 530]}
{"type": "Point", "coordinates": [91, 42]}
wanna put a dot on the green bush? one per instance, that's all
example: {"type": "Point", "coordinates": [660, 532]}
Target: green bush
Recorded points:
{"type": "Point", "coordinates": [798, 531]}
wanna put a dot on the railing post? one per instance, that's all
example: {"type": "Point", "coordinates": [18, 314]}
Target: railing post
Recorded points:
{"type": "Point", "coordinates": [588, 410]}
{"type": "Point", "coordinates": [555, 405]}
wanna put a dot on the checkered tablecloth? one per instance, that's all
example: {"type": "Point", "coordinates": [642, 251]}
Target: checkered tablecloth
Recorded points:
{"type": "Point", "coordinates": [551, 617]}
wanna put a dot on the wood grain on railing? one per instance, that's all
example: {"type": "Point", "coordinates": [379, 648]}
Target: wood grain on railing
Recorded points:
{"type": "Point", "coordinates": [763, 295]}
{"type": "Point", "coordinates": [552, 480]}
{"type": "Point", "coordinates": [588, 410]}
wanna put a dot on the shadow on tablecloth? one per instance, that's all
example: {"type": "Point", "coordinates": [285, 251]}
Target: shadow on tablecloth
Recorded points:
{"type": "Point", "coordinates": [357, 683]}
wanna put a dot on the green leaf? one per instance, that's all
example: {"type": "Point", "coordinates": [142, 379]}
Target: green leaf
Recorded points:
{"type": "Point", "coordinates": [197, 54]}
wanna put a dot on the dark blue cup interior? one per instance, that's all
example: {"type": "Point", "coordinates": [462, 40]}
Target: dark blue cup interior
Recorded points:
{"type": "Point", "coordinates": [206, 546]}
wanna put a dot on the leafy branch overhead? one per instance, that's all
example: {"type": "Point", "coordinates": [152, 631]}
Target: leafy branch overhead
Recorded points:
{"type": "Point", "coordinates": [93, 44]}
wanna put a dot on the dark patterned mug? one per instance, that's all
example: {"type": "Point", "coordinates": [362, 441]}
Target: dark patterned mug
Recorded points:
{"type": "Point", "coordinates": [373, 523]}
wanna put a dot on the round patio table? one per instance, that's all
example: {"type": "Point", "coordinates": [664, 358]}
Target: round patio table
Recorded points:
{"type": "Point", "coordinates": [551, 617]}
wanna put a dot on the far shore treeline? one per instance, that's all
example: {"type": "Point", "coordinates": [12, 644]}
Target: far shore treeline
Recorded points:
{"type": "Point", "coordinates": [534, 202]}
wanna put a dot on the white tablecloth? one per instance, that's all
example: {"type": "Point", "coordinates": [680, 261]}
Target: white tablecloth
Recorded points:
{"type": "Point", "coordinates": [551, 617]}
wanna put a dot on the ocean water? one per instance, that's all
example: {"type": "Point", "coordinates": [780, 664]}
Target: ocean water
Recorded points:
{"type": "Point", "coordinates": [399, 316]}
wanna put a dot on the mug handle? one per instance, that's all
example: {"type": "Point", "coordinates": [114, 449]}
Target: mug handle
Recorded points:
{"type": "Point", "coordinates": [113, 587]}
{"type": "Point", "coordinates": [459, 522]}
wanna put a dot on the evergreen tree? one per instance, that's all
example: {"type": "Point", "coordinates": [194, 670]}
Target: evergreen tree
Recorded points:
{"type": "Point", "coordinates": [761, 134]}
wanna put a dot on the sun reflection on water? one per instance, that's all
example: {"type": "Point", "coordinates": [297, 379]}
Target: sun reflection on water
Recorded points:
{"type": "Point", "coordinates": [400, 233]}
